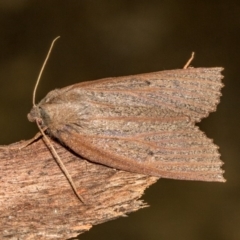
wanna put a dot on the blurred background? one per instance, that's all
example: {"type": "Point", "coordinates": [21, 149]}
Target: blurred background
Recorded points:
{"type": "Point", "coordinates": [114, 38]}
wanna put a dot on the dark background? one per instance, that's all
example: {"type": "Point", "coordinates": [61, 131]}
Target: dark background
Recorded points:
{"type": "Point", "coordinates": [113, 38]}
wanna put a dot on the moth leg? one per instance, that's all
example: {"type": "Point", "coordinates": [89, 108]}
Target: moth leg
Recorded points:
{"type": "Point", "coordinates": [23, 143]}
{"type": "Point", "coordinates": [30, 141]}
{"type": "Point", "coordinates": [189, 61]}
{"type": "Point", "coordinates": [59, 161]}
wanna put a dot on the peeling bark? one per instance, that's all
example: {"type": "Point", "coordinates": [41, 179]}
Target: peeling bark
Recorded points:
{"type": "Point", "coordinates": [37, 202]}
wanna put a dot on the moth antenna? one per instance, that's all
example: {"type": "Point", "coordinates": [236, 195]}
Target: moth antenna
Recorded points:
{"type": "Point", "coordinates": [45, 138]}
{"type": "Point", "coordinates": [41, 71]}
{"type": "Point", "coordinates": [189, 61]}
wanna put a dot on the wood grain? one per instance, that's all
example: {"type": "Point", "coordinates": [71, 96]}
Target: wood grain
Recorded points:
{"type": "Point", "coordinates": [36, 201]}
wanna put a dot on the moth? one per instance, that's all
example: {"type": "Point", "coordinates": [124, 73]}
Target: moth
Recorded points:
{"type": "Point", "coordinates": [140, 123]}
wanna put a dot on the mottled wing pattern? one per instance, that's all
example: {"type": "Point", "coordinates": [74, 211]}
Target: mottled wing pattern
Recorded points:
{"type": "Point", "coordinates": [145, 123]}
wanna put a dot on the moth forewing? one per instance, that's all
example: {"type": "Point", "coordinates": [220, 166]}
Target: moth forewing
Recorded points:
{"type": "Point", "coordinates": [141, 123]}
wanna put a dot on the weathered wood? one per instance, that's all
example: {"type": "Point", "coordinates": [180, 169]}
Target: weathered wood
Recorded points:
{"type": "Point", "coordinates": [37, 202]}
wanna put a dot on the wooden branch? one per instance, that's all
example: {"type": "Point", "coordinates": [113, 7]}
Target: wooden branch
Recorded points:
{"type": "Point", "coordinates": [37, 202]}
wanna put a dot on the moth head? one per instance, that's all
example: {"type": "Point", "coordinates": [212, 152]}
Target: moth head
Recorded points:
{"type": "Point", "coordinates": [35, 114]}
{"type": "Point", "coordinates": [38, 115]}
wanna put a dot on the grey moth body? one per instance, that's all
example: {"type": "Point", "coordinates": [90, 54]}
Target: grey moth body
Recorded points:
{"type": "Point", "coordinates": [141, 123]}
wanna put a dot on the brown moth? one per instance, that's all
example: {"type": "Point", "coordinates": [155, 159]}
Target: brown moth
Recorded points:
{"type": "Point", "coordinates": [140, 123]}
